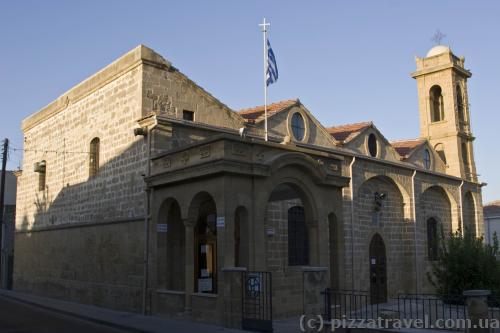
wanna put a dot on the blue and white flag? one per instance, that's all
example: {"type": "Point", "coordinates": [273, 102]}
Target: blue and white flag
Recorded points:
{"type": "Point", "coordinates": [272, 68]}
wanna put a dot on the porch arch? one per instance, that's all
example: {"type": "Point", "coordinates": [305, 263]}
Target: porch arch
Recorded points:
{"type": "Point", "coordinates": [171, 246]}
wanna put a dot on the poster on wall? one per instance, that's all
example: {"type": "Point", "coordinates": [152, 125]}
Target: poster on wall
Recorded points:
{"type": "Point", "coordinates": [221, 221]}
{"type": "Point", "coordinates": [204, 285]}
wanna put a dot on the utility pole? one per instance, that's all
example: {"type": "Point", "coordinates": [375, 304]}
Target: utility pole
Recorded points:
{"type": "Point", "coordinates": [2, 196]}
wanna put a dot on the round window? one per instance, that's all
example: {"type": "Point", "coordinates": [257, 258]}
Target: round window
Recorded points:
{"type": "Point", "coordinates": [298, 126]}
{"type": "Point", "coordinates": [427, 159]}
{"type": "Point", "coordinates": [372, 145]}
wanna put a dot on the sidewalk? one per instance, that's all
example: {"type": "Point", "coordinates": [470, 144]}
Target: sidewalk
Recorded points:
{"type": "Point", "coordinates": [121, 320]}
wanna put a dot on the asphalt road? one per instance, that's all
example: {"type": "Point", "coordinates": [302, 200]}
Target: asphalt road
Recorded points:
{"type": "Point", "coordinates": [17, 317]}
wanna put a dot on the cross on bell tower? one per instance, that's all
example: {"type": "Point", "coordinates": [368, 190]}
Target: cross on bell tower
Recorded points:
{"type": "Point", "coordinates": [438, 37]}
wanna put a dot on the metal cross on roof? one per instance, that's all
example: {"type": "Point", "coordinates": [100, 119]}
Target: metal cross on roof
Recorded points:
{"type": "Point", "coordinates": [438, 37]}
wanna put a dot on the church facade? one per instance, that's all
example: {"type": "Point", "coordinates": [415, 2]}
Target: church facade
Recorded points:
{"type": "Point", "coordinates": [141, 191]}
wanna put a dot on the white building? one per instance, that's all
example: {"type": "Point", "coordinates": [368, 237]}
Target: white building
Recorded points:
{"type": "Point", "coordinates": [491, 220]}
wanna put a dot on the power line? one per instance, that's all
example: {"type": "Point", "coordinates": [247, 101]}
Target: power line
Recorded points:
{"type": "Point", "coordinates": [50, 151]}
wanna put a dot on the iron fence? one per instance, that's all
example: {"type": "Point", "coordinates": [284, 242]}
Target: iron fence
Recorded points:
{"type": "Point", "coordinates": [414, 309]}
{"type": "Point", "coordinates": [349, 304]}
{"type": "Point", "coordinates": [494, 307]}
{"type": "Point", "coordinates": [431, 308]}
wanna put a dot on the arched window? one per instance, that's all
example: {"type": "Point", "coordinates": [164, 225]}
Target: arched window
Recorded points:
{"type": "Point", "coordinates": [427, 159]}
{"type": "Point", "coordinates": [437, 105]}
{"type": "Point", "coordinates": [372, 145]}
{"type": "Point", "coordinates": [432, 239]}
{"type": "Point", "coordinates": [94, 157]}
{"type": "Point", "coordinates": [465, 159]}
{"type": "Point", "coordinates": [298, 244]}
{"type": "Point", "coordinates": [460, 107]}
{"type": "Point", "coordinates": [465, 154]}
{"type": "Point", "coordinates": [298, 126]}
{"type": "Point", "coordinates": [41, 169]}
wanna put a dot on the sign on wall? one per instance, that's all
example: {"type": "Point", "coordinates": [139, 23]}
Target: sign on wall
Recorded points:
{"type": "Point", "coordinates": [221, 221]}
{"type": "Point", "coordinates": [161, 227]}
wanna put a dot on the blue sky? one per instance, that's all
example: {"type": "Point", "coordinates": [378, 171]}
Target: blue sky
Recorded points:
{"type": "Point", "coordinates": [347, 61]}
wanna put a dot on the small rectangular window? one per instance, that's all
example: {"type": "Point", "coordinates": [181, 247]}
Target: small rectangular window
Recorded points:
{"type": "Point", "coordinates": [41, 169]}
{"type": "Point", "coordinates": [188, 115]}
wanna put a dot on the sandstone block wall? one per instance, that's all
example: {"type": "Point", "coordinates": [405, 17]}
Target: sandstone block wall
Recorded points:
{"type": "Point", "coordinates": [100, 264]}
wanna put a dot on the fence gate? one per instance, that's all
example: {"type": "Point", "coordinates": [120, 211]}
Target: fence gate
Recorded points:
{"type": "Point", "coordinates": [257, 306]}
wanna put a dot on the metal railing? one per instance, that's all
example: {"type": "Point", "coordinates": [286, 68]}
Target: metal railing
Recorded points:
{"type": "Point", "coordinates": [349, 304]}
{"type": "Point", "coordinates": [431, 307]}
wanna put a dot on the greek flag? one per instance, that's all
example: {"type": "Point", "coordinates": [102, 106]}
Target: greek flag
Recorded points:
{"type": "Point", "coordinates": [272, 68]}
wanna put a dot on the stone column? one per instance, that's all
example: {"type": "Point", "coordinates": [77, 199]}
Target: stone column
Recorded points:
{"type": "Point", "coordinates": [477, 310]}
{"type": "Point", "coordinates": [189, 265]}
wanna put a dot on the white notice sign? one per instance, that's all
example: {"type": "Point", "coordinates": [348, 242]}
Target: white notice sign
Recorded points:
{"type": "Point", "coordinates": [204, 285]}
{"type": "Point", "coordinates": [221, 221]}
{"type": "Point", "coordinates": [161, 227]}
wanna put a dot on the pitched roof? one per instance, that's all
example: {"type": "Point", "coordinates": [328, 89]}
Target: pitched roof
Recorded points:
{"type": "Point", "coordinates": [405, 147]}
{"type": "Point", "coordinates": [256, 114]}
{"type": "Point", "coordinates": [492, 209]}
{"type": "Point", "coordinates": [348, 131]}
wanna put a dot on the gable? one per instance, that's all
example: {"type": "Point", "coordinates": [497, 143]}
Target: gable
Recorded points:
{"type": "Point", "coordinates": [279, 123]}
{"type": "Point", "coordinates": [416, 157]}
{"type": "Point", "coordinates": [360, 144]}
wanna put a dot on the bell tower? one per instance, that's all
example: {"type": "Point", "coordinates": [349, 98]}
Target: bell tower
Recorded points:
{"type": "Point", "coordinates": [444, 109]}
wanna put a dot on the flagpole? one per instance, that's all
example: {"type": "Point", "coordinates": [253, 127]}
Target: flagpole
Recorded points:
{"type": "Point", "coordinates": [264, 26]}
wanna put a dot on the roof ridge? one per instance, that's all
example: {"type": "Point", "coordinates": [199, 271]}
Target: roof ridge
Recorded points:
{"type": "Point", "coordinates": [367, 123]}
{"type": "Point", "coordinates": [255, 108]}
{"type": "Point", "coordinates": [406, 140]}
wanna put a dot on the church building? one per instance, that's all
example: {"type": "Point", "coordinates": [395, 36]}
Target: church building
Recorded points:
{"type": "Point", "coordinates": [141, 191]}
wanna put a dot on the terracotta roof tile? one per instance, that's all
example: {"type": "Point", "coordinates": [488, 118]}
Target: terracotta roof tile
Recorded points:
{"type": "Point", "coordinates": [344, 132]}
{"type": "Point", "coordinates": [255, 114]}
{"type": "Point", "coordinates": [405, 147]}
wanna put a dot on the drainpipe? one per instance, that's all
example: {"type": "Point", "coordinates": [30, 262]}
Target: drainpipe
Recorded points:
{"type": "Point", "coordinates": [352, 221]}
{"type": "Point", "coordinates": [414, 208]}
{"type": "Point", "coordinates": [147, 212]}
{"type": "Point", "coordinates": [461, 223]}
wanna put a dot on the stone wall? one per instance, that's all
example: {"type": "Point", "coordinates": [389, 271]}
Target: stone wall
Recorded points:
{"type": "Point", "coordinates": [63, 141]}
{"type": "Point", "coordinates": [100, 264]}
{"type": "Point", "coordinates": [390, 223]}
{"type": "Point", "coordinates": [287, 280]}
{"type": "Point", "coordinates": [168, 92]}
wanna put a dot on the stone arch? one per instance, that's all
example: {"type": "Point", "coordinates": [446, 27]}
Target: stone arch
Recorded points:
{"type": "Point", "coordinates": [301, 161]}
{"type": "Point", "coordinates": [381, 207]}
{"type": "Point", "coordinates": [202, 214]}
{"type": "Point", "coordinates": [469, 213]}
{"type": "Point", "coordinates": [402, 193]}
{"type": "Point", "coordinates": [302, 190]}
{"type": "Point", "coordinates": [460, 106]}
{"type": "Point", "coordinates": [196, 202]}
{"type": "Point", "coordinates": [241, 237]}
{"type": "Point", "coordinates": [291, 215]}
{"type": "Point", "coordinates": [438, 203]}
{"type": "Point", "coordinates": [171, 246]}
{"type": "Point", "coordinates": [94, 156]}
{"type": "Point", "coordinates": [436, 103]}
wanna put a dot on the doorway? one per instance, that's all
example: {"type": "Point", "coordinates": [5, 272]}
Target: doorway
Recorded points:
{"type": "Point", "coordinates": [206, 249]}
{"type": "Point", "coordinates": [378, 270]}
